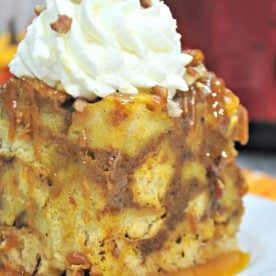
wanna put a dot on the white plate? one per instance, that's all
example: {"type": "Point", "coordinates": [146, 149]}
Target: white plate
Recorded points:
{"type": "Point", "coordinates": [258, 236]}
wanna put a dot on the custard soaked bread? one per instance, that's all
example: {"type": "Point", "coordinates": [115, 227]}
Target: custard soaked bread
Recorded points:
{"type": "Point", "coordinates": [118, 187]}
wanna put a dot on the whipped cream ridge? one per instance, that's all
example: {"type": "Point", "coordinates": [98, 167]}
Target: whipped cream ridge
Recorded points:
{"type": "Point", "coordinates": [112, 45]}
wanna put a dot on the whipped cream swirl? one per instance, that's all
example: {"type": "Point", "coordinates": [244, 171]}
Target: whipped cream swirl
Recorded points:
{"type": "Point", "coordinates": [112, 45]}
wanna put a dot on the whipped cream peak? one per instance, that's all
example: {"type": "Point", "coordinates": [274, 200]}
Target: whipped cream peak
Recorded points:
{"type": "Point", "coordinates": [107, 46]}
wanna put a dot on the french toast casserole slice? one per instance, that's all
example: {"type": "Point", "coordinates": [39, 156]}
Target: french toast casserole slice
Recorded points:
{"type": "Point", "coordinates": [117, 186]}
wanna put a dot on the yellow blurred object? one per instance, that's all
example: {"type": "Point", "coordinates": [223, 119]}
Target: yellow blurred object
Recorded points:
{"type": "Point", "coordinates": [261, 184]}
{"type": "Point", "coordinates": [7, 49]}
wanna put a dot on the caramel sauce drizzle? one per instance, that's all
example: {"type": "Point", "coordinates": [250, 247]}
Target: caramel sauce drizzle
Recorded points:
{"type": "Point", "coordinates": [27, 118]}
{"type": "Point", "coordinates": [29, 107]}
{"type": "Point", "coordinates": [189, 106]}
{"type": "Point", "coordinates": [31, 122]}
{"type": "Point", "coordinates": [45, 91]}
{"type": "Point", "coordinates": [119, 114]}
{"type": "Point", "coordinates": [216, 98]}
{"type": "Point", "coordinates": [11, 106]}
{"type": "Point", "coordinates": [11, 242]}
{"type": "Point", "coordinates": [30, 112]}
{"type": "Point", "coordinates": [31, 182]}
{"type": "Point", "coordinates": [86, 201]}
{"type": "Point", "coordinates": [35, 122]}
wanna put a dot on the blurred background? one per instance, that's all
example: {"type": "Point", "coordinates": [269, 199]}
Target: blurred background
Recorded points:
{"type": "Point", "coordinates": [238, 38]}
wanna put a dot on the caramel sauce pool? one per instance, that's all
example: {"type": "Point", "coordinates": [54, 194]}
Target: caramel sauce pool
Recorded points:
{"type": "Point", "coordinates": [227, 264]}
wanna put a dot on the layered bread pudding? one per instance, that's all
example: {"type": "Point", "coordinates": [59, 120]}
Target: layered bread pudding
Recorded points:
{"type": "Point", "coordinates": [117, 149]}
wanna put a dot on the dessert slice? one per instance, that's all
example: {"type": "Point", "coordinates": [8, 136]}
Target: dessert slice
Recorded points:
{"type": "Point", "coordinates": [118, 186]}
{"type": "Point", "coordinates": [135, 177]}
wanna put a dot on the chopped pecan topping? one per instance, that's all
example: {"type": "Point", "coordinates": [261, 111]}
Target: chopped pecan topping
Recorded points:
{"type": "Point", "coordinates": [39, 9]}
{"type": "Point", "coordinates": [198, 56]}
{"type": "Point", "coordinates": [59, 86]}
{"type": "Point", "coordinates": [62, 25]}
{"type": "Point", "coordinates": [145, 3]}
{"type": "Point", "coordinates": [241, 131]}
{"type": "Point", "coordinates": [79, 105]}
{"type": "Point", "coordinates": [160, 91]}
{"type": "Point", "coordinates": [159, 97]}
{"type": "Point", "coordinates": [191, 218]}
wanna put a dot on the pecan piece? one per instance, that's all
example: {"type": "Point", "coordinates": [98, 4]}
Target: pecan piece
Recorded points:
{"type": "Point", "coordinates": [160, 91]}
{"type": "Point", "coordinates": [39, 9]}
{"type": "Point", "coordinates": [62, 25]}
{"type": "Point", "coordinates": [79, 105]}
{"type": "Point", "coordinates": [146, 3]}
{"type": "Point", "coordinates": [198, 56]}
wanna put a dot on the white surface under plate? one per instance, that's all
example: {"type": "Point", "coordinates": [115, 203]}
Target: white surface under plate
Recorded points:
{"type": "Point", "coordinates": [258, 236]}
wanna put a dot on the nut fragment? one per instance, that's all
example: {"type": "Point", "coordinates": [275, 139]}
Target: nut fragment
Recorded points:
{"type": "Point", "coordinates": [79, 105]}
{"type": "Point", "coordinates": [39, 9]}
{"type": "Point", "coordinates": [160, 91]}
{"type": "Point", "coordinates": [146, 3]}
{"type": "Point", "coordinates": [62, 25]}
{"type": "Point", "coordinates": [159, 97]}
{"type": "Point", "coordinates": [59, 86]}
{"type": "Point", "coordinates": [198, 56]}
